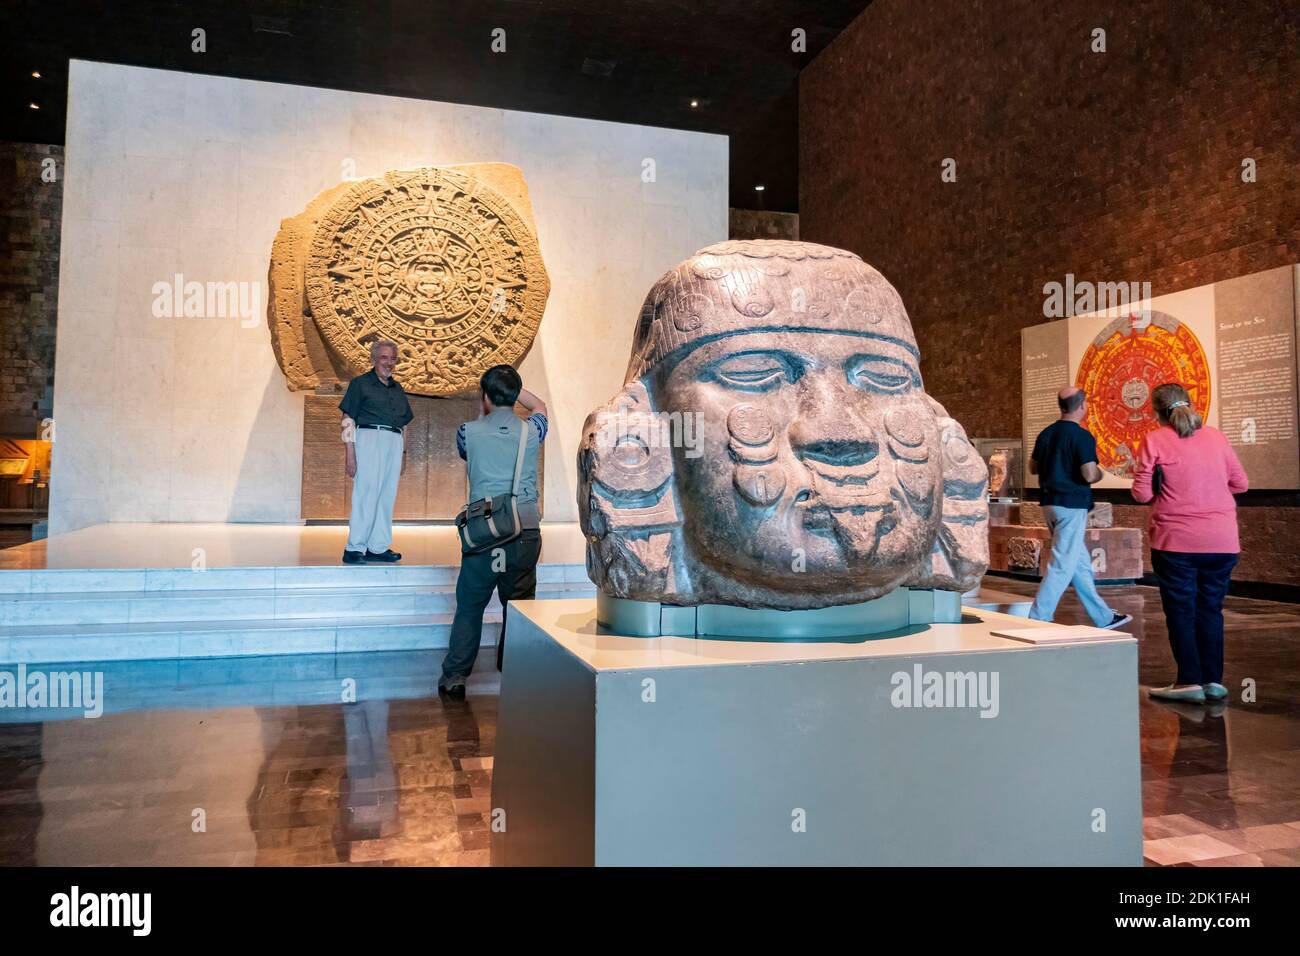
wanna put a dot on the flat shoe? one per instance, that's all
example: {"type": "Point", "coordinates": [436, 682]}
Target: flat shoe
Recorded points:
{"type": "Point", "coordinates": [1215, 691]}
{"type": "Point", "coordinates": [1187, 694]}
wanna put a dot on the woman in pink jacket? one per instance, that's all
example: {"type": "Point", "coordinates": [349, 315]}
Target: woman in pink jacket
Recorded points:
{"type": "Point", "coordinates": [1190, 473]}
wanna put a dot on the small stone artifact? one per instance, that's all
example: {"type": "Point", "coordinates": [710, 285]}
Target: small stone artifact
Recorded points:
{"type": "Point", "coordinates": [444, 261]}
{"type": "Point", "coordinates": [998, 472]}
{"type": "Point", "coordinates": [1024, 554]}
{"type": "Point", "coordinates": [1102, 515]}
{"type": "Point", "coordinates": [773, 445]}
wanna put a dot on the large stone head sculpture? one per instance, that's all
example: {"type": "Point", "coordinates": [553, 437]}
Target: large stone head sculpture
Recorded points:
{"type": "Point", "coordinates": [773, 445]}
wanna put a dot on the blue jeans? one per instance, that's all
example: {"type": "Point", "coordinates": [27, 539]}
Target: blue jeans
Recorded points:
{"type": "Point", "coordinates": [1070, 563]}
{"type": "Point", "coordinates": [1192, 589]}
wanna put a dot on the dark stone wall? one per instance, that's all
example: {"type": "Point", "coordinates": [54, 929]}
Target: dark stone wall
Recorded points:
{"type": "Point", "coordinates": [30, 221]}
{"type": "Point", "coordinates": [761, 224]}
{"type": "Point", "coordinates": [1117, 166]}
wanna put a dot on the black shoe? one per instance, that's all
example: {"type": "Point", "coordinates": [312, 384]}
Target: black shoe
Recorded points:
{"type": "Point", "coordinates": [388, 557]}
{"type": "Point", "coordinates": [354, 557]}
{"type": "Point", "coordinates": [1119, 620]}
{"type": "Point", "coordinates": [453, 688]}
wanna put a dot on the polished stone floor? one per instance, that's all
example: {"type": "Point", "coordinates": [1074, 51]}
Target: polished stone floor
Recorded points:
{"type": "Point", "coordinates": [1220, 784]}
{"type": "Point", "coordinates": [258, 761]}
{"type": "Point", "coordinates": [399, 777]}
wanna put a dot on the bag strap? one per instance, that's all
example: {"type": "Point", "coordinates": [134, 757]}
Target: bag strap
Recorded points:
{"type": "Point", "coordinates": [519, 458]}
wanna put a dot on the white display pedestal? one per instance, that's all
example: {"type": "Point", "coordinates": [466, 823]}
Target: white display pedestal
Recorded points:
{"type": "Point", "coordinates": [686, 751]}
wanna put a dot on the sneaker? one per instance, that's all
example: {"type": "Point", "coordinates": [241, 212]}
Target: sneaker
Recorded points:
{"type": "Point", "coordinates": [1118, 621]}
{"type": "Point", "coordinates": [387, 557]}
{"type": "Point", "coordinates": [1215, 691]}
{"type": "Point", "coordinates": [353, 557]}
{"type": "Point", "coordinates": [1185, 694]}
{"type": "Point", "coordinates": [453, 687]}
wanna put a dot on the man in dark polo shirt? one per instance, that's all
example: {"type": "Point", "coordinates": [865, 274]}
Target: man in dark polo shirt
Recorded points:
{"type": "Point", "coordinates": [1065, 461]}
{"type": "Point", "coordinates": [375, 411]}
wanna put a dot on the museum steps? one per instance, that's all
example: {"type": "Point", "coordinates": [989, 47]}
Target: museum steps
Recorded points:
{"type": "Point", "coordinates": [63, 615]}
{"type": "Point", "coordinates": [282, 680]}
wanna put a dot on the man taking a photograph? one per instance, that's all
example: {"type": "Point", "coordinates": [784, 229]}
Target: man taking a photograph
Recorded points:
{"type": "Point", "coordinates": [490, 447]}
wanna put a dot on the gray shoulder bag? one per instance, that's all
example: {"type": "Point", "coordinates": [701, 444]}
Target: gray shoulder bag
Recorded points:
{"type": "Point", "coordinates": [491, 522]}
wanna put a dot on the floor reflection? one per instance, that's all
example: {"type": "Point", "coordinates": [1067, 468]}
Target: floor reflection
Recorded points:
{"type": "Point", "coordinates": [377, 782]}
{"type": "Point", "coordinates": [400, 777]}
{"type": "Point", "coordinates": [353, 760]}
{"type": "Point", "coordinates": [21, 811]}
{"type": "Point", "coordinates": [369, 791]}
{"type": "Point", "coordinates": [1220, 783]}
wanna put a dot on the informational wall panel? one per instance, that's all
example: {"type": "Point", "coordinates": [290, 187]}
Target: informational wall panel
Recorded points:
{"type": "Point", "coordinates": [1256, 326]}
{"type": "Point", "coordinates": [1044, 371]}
{"type": "Point", "coordinates": [1232, 345]}
{"type": "Point", "coordinates": [433, 487]}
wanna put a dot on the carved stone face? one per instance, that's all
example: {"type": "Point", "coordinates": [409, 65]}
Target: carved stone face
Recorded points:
{"type": "Point", "coordinates": [428, 276]}
{"type": "Point", "coordinates": [820, 458]}
{"type": "Point", "coordinates": [773, 445]}
{"type": "Point", "coordinates": [997, 472]}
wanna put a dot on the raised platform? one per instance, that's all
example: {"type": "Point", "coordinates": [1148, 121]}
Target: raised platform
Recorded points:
{"type": "Point", "coordinates": [121, 592]}
{"type": "Point", "coordinates": [170, 546]}
{"type": "Point", "coordinates": [934, 745]}
{"type": "Point", "coordinates": [142, 592]}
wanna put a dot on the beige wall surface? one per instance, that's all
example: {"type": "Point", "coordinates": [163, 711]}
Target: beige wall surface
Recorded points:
{"type": "Point", "coordinates": [189, 419]}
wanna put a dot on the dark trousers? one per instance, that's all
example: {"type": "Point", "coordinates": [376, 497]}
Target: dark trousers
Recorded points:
{"type": "Point", "coordinates": [1192, 589]}
{"type": "Point", "coordinates": [510, 570]}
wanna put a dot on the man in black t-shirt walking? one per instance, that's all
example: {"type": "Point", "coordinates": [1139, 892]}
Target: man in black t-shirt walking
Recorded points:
{"type": "Point", "coordinates": [1065, 461]}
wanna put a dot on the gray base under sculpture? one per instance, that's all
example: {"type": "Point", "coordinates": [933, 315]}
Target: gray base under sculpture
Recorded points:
{"type": "Point", "coordinates": [902, 607]}
{"type": "Point", "coordinates": [616, 750]}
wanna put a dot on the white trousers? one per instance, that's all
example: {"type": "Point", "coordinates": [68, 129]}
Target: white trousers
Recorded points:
{"type": "Point", "coordinates": [379, 465]}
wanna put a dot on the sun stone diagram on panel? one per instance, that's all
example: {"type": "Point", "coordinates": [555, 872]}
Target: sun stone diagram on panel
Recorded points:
{"type": "Point", "coordinates": [1120, 369]}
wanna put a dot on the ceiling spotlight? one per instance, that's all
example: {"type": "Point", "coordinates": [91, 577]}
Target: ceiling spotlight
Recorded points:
{"type": "Point", "coordinates": [34, 106]}
{"type": "Point", "coordinates": [36, 74]}
{"type": "Point", "coordinates": [759, 189]}
{"type": "Point", "coordinates": [695, 104]}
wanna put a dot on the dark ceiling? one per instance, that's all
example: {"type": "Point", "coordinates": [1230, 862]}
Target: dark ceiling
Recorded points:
{"type": "Point", "coordinates": [634, 61]}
